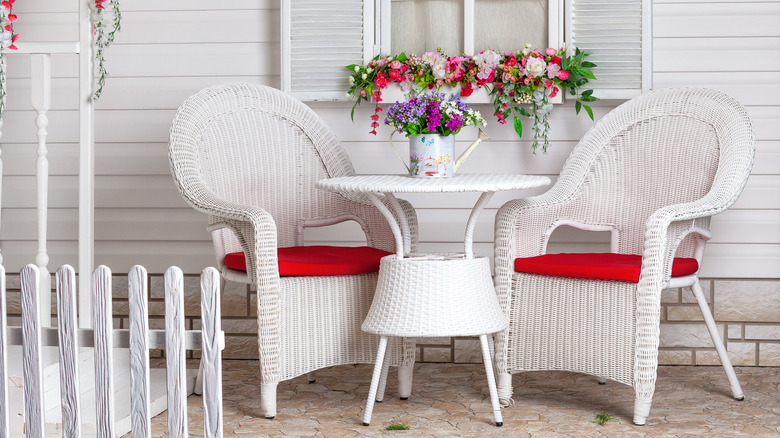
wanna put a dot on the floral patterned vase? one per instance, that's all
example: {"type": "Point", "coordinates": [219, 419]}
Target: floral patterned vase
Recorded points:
{"type": "Point", "coordinates": [431, 155]}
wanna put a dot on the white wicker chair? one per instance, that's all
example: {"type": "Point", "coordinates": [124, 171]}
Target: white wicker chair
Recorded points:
{"type": "Point", "coordinates": [652, 172]}
{"type": "Point", "coordinates": [249, 157]}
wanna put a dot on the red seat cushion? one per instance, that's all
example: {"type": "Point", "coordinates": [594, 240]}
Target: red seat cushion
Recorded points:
{"type": "Point", "coordinates": [597, 266]}
{"type": "Point", "coordinates": [319, 260]}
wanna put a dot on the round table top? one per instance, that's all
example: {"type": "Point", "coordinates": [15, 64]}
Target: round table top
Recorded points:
{"type": "Point", "coordinates": [462, 182]}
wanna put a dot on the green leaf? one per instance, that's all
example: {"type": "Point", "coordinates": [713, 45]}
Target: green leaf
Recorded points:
{"type": "Point", "coordinates": [577, 106]}
{"type": "Point", "coordinates": [401, 57]}
{"type": "Point", "coordinates": [351, 67]}
{"type": "Point", "coordinates": [522, 111]}
{"type": "Point", "coordinates": [587, 73]}
{"type": "Point", "coordinates": [588, 64]}
{"type": "Point", "coordinates": [585, 98]}
{"type": "Point", "coordinates": [518, 126]}
{"type": "Point", "coordinates": [589, 111]}
{"type": "Point", "coordinates": [587, 93]}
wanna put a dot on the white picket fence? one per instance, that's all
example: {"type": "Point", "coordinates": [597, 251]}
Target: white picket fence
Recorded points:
{"type": "Point", "coordinates": [139, 339]}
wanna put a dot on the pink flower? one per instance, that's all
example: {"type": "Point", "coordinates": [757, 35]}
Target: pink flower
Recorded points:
{"type": "Point", "coordinates": [363, 93]}
{"type": "Point", "coordinates": [550, 51]}
{"type": "Point", "coordinates": [554, 92]}
{"type": "Point", "coordinates": [377, 96]}
{"type": "Point", "coordinates": [395, 64]}
{"type": "Point", "coordinates": [381, 81]}
{"type": "Point", "coordinates": [12, 17]}
{"type": "Point", "coordinates": [502, 121]}
{"type": "Point", "coordinates": [563, 75]}
{"type": "Point", "coordinates": [548, 84]}
{"type": "Point", "coordinates": [395, 75]}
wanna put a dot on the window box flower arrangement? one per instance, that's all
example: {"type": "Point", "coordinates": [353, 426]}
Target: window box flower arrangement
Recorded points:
{"type": "Point", "coordinates": [529, 76]}
{"type": "Point", "coordinates": [431, 121]}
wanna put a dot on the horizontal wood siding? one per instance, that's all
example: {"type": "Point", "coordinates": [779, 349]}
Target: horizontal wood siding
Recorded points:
{"type": "Point", "coordinates": [168, 50]}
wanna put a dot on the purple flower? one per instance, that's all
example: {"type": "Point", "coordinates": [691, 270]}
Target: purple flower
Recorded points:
{"type": "Point", "coordinates": [455, 123]}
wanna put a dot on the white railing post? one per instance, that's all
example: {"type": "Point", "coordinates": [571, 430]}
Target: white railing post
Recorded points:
{"type": "Point", "coordinates": [175, 353]}
{"type": "Point", "coordinates": [102, 319]}
{"type": "Point", "coordinates": [211, 352]}
{"type": "Point", "coordinates": [31, 352]}
{"type": "Point", "coordinates": [86, 162]}
{"type": "Point", "coordinates": [40, 80]}
{"type": "Point", "coordinates": [69, 352]}
{"type": "Point", "coordinates": [137, 295]}
{"type": "Point", "coordinates": [4, 409]}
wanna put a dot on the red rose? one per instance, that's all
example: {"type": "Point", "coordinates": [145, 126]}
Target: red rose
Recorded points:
{"type": "Point", "coordinates": [466, 90]}
{"type": "Point", "coordinates": [555, 60]}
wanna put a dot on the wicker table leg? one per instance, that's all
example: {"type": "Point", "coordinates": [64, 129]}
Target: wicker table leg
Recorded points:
{"type": "Point", "coordinates": [380, 358]}
{"type": "Point", "coordinates": [488, 359]}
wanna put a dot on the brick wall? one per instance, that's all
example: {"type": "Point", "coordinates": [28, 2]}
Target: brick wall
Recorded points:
{"type": "Point", "coordinates": [747, 313]}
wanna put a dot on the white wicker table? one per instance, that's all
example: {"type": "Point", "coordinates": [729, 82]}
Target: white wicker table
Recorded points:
{"type": "Point", "coordinates": [431, 295]}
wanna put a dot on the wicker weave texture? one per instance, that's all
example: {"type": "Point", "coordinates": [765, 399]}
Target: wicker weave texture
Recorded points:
{"type": "Point", "coordinates": [434, 296]}
{"type": "Point", "coordinates": [653, 171]}
{"type": "Point", "coordinates": [249, 157]}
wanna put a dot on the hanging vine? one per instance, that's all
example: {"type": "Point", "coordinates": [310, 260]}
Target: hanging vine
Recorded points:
{"type": "Point", "coordinates": [106, 22]}
{"type": "Point", "coordinates": [7, 40]}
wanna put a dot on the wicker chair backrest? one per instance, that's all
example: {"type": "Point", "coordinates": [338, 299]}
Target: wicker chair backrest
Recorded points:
{"type": "Point", "coordinates": [663, 148]}
{"type": "Point", "coordinates": [255, 145]}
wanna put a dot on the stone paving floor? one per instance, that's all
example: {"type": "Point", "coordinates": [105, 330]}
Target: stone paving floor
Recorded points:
{"type": "Point", "coordinates": [451, 400]}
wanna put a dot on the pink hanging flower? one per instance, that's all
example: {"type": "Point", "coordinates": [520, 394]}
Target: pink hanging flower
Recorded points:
{"type": "Point", "coordinates": [563, 75]}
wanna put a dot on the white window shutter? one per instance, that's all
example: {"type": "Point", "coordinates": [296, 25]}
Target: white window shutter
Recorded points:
{"type": "Point", "coordinates": [320, 38]}
{"type": "Point", "coordinates": [618, 36]}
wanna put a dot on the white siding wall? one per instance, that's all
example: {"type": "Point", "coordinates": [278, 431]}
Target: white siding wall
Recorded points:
{"type": "Point", "coordinates": [169, 50]}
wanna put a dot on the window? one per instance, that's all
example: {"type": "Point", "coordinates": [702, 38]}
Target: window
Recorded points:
{"type": "Point", "coordinates": [320, 37]}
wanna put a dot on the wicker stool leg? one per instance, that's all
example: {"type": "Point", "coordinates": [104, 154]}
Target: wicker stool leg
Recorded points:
{"type": "Point", "coordinates": [380, 356]}
{"type": "Point", "coordinates": [380, 392]}
{"type": "Point", "coordinates": [406, 370]}
{"type": "Point", "coordinates": [311, 376]}
{"type": "Point", "coordinates": [491, 380]}
{"type": "Point", "coordinates": [268, 399]}
{"type": "Point", "coordinates": [736, 389]}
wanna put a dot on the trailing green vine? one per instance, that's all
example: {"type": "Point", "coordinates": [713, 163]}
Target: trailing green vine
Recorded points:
{"type": "Point", "coordinates": [106, 22]}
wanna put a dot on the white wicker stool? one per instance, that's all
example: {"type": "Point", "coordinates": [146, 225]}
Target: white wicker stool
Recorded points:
{"type": "Point", "coordinates": [431, 295]}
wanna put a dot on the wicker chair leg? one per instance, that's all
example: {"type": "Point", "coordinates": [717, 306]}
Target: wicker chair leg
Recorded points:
{"type": "Point", "coordinates": [380, 392]}
{"type": "Point", "coordinates": [405, 374]}
{"type": "Point", "coordinates": [311, 376]}
{"type": "Point", "coordinates": [504, 388]}
{"type": "Point", "coordinates": [268, 399]}
{"type": "Point", "coordinates": [602, 380]}
{"type": "Point", "coordinates": [736, 389]}
{"type": "Point", "coordinates": [641, 411]}
{"type": "Point", "coordinates": [198, 390]}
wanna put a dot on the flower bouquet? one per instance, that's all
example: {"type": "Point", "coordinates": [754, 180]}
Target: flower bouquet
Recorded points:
{"type": "Point", "coordinates": [511, 78]}
{"type": "Point", "coordinates": [431, 121]}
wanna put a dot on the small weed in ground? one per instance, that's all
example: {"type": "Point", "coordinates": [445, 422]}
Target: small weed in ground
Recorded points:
{"type": "Point", "coordinates": [602, 418]}
{"type": "Point", "coordinates": [398, 426]}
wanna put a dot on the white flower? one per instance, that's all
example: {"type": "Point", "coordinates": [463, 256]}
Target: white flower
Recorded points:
{"type": "Point", "coordinates": [439, 70]}
{"type": "Point", "coordinates": [535, 66]}
{"type": "Point", "coordinates": [364, 76]}
{"type": "Point", "coordinates": [351, 80]}
{"type": "Point", "coordinates": [357, 68]}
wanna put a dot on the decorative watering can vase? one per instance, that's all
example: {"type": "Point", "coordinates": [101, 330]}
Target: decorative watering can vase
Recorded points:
{"type": "Point", "coordinates": [432, 155]}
